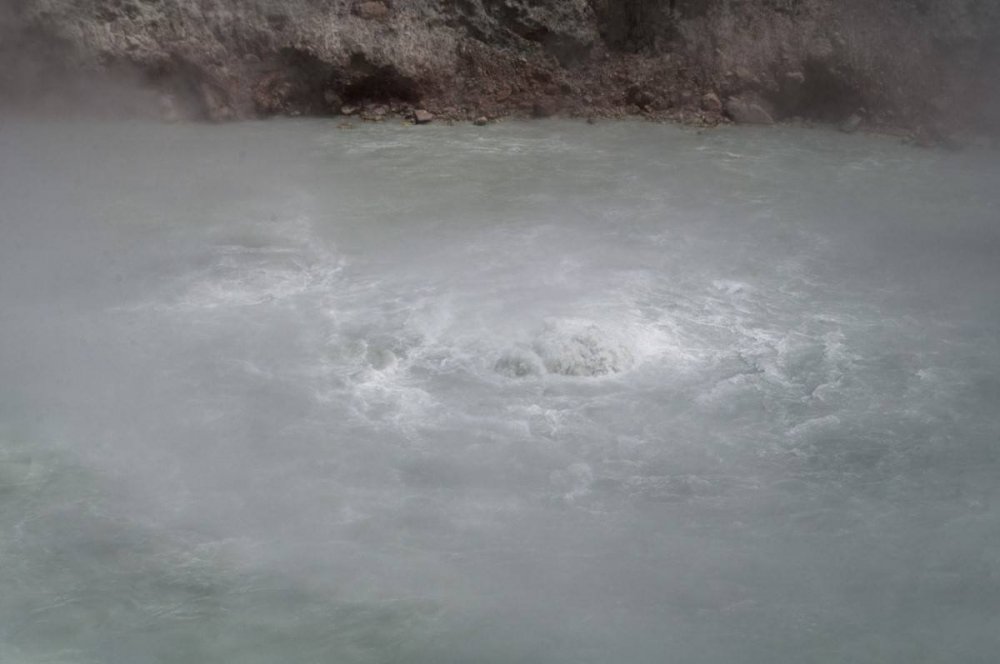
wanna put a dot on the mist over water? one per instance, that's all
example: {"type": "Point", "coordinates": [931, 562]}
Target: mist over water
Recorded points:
{"type": "Point", "coordinates": [535, 393]}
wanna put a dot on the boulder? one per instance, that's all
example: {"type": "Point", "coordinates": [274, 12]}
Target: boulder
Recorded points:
{"type": "Point", "coordinates": [710, 102]}
{"type": "Point", "coordinates": [544, 108]}
{"type": "Point", "coordinates": [216, 104]}
{"type": "Point", "coordinates": [747, 111]}
{"type": "Point", "coordinates": [481, 121]}
{"type": "Point", "coordinates": [421, 116]}
{"type": "Point", "coordinates": [851, 124]}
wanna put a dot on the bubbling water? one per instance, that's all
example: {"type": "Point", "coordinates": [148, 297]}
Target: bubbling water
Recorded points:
{"type": "Point", "coordinates": [568, 348]}
{"type": "Point", "coordinates": [408, 394]}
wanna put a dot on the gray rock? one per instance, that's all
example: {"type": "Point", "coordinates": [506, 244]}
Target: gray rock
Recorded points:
{"type": "Point", "coordinates": [748, 111]}
{"type": "Point", "coordinates": [168, 108]}
{"type": "Point", "coordinates": [544, 108]}
{"type": "Point", "coordinates": [710, 102]}
{"type": "Point", "coordinates": [331, 99]}
{"type": "Point", "coordinates": [851, 124]}
{"type": "Point", "coordinates": [216, 103]}
{"type": "Point", "coordinates": [420, 116]}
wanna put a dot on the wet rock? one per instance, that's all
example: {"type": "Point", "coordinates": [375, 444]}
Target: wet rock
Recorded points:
{"type": "Point", "coordinates": [851, 124]}
{"type": "Point", "coordinates": [217, 107]}
{"type": "Point", "coordinates": [640, 96]}
{"type": "Point", "coordinates": [746, 111]}
{"type": "Point", "coordinates": [376, 113]}
{"type": "Point", "coordinates": [372, 11]}
{"type": "Point", "coordinates": [481, 121]}
{"type": "Point", "coordinates": [710, 102]}
{"type": "Point", "coordinates": [544, 108]}
{"type": "Point", "coordinates": [421, 116]}
{"type": "Point", "coordinates": [347, 109]}
{"type": "Point", "coordinates": [169, 111]}
{"type": "Point", "coordinates": [331, 99]}
{"type": "Point", "coordinates": [939, 137]}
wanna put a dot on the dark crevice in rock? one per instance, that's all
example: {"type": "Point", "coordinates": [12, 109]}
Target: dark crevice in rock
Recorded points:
{"type": "Point", "coordinates": [380, 84]}
{"type": "Point", "coordinates": [297, 83]}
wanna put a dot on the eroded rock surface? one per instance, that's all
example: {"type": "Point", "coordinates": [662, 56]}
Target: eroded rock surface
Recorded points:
{"type": "Point", "coordinates": [907, 62]}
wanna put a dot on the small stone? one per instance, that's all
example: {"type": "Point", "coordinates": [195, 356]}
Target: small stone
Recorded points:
{"type": "Point", "coordinates": [710, 102]}
{"type": "Point", "coordinates": [347, 109]}
{"type": "Point", "coordinates": [591, 120]}
{"type": "Point", "coordinates": [421, 116]}
{"type": "Point", "coordinates": [481, 121]}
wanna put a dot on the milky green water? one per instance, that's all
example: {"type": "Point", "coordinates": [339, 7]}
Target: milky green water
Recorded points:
{"type": "Point", "coordinates": [535, 393]}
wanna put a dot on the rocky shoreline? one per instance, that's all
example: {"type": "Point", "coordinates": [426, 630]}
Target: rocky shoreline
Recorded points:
{"type": "Point", "coordinates": [903, 66]}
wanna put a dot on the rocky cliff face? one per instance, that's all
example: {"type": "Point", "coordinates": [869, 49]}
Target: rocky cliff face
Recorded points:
{"type": "Point", "coordinates": [893, 62]}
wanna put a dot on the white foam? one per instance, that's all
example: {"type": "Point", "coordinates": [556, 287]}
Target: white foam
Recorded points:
{"type": "Point", "coordinates": [268, 263]}
{"type": "Point", "coordinates": [586, 348]}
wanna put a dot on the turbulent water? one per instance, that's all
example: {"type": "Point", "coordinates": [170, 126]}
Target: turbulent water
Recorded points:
{"type": "Point", "coordinates": [537, 393]}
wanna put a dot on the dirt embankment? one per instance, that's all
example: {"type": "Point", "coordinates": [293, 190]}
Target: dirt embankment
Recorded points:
{"type": "Point", "coordinates": [925, 66]}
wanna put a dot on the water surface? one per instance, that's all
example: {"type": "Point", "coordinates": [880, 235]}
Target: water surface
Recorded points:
{"type": "Point", "coordinates": [540, 393]}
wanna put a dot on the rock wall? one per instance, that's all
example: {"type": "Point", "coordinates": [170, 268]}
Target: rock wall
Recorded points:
{"type": "Point", "coordinates": [925, 64]}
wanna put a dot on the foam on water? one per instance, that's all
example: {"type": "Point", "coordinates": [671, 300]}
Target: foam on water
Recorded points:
{"type": "Point", "coordinates": [575, 347]}
{"type": "Point", "coordinates": [273, 262]}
